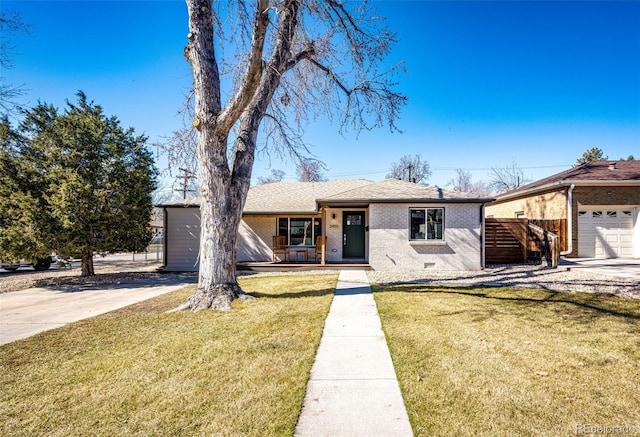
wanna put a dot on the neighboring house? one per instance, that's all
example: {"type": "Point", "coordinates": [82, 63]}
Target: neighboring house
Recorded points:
{"type": "Point", "coordinates": [600, 201]}
{"type": "Point", "coordinates": [389, 225]}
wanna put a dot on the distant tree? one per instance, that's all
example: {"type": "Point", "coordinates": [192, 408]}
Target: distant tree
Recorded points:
{"type": "Point", "coordinates": [503, 179]}
{"type": "Point", "coordinates": [309, 170]}
{"type": "Point", "coordinates": [410, 169]}
{"type": "Point", "coordinates": [275, 176]}
{"type": "Point", "coordinates": [630, 158]}
{"type": "Point", "coordinates": [593, 154]}
{"type": "Point", "coordinates": [10, 23]}
{"type": "Point", "coordinates": [464, 184]}
{"type": "Point", "coordinates": [91, 179]}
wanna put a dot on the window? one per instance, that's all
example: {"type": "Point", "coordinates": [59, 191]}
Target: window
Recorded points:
{"type": "Point", "coordinates": [597, 214]}
{"type": "Point", "coordinates": [300, 231]}
{"type": "Point", "coordinates": [612, 213]}
{"type": "Point", "coordinates": [520, 214]}
{"type": "Point", "coordinates": [427, 224]}
{"type": "Point", "coordinates": [354, 220]}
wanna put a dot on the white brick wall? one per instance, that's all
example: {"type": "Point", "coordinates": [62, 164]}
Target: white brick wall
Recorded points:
{"type": "Point", "coordinates": [255, 238]}
{"type": "Point", "coordinates": [390, 249]}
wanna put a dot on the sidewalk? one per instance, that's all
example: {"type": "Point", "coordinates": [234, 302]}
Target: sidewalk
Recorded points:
{"type": "Point", "coordinates": [353, 389]}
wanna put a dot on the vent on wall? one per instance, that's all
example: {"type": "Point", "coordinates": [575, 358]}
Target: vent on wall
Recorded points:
{"type": "Point", "coordinates": [429, 265]}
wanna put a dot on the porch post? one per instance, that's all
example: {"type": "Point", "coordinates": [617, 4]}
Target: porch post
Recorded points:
{"type": "Point", "coordinates": [324, 235]}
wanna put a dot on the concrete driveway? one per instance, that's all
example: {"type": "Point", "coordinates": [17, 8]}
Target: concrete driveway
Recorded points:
{"type": "Point", "coordinates": [28, 312]}
{"type": "Point", "coordinates": [628, 268]}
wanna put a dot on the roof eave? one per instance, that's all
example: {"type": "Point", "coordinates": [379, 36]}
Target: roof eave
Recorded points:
{"type": "Point", "coordinates": [565, 183]}
{"type": "Point", "coordinates": [275, 213]}
{"type": "Point", "coordinates": [337, 202]}
{"type": "Point", "coordinates": [178, 205]}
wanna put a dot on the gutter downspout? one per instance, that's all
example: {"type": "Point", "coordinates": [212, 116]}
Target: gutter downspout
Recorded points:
{"type": "Point", "coordinates": [165, 222]}
{"type": "Point", "coordinates": [323, 257]}
{"type": "Point", "coordinates": [569, 221]}
{"type": "Point", "coordinates": [482, 238]}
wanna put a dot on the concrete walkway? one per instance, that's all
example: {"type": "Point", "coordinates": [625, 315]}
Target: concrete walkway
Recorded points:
{"type": "Point", "coordinates": [625, 268]}
{"type": "Point", "coordinates": [353, 389]}
{"type": "Point", "coordinates": [27, 312]}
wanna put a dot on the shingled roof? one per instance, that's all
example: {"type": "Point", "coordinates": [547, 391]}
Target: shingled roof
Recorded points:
{"type": "Point", "coordinates": [285, 197]}
{"type": "Point", "coordinates": [394, 190]}
{"type": "Point", "coordinates": [304, 197]}
{"type": "Point", "coordinates": [595, 172]}
{"type": "Point", "coordinates": [295, 197]}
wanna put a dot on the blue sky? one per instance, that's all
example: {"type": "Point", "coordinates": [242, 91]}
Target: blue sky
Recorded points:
{"type": "Point", "coordinates": [487, 82]}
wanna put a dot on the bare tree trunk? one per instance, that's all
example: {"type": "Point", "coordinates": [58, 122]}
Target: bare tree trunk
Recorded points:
{"type": "Point", "coordinates": [220, 214]}
{"type": "Point", "coordinates": [223, 191]}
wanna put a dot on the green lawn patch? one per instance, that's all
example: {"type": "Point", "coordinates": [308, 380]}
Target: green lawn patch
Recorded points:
{"type": "Point", "coordinates": [512, 361]}
{"type": "Point", "coordinates": [140, 371]}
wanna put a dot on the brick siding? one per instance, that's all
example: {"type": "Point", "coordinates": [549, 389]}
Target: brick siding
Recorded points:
{"type": "Point", "coordinates": [255, 238]}
{"type": "Point", "coordinates": [390, 248]}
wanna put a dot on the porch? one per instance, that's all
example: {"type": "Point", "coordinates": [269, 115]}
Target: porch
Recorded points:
{"type": "Point", "coordinates": [299, 267]}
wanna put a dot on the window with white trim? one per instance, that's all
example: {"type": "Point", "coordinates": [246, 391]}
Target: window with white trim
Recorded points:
{"type": "Point", "coordinates": [426, 224]}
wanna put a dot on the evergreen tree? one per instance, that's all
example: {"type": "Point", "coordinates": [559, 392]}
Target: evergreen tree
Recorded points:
{"type": "Point", "coordinates": [91, 178]}
{"type": "Point", "coordinates": [593, 154]}
{"type": "Point", "coordinates": [20, 212]}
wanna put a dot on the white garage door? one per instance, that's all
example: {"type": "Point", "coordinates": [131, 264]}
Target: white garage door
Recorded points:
{"type": "Point", "coordinates": [605, 233]}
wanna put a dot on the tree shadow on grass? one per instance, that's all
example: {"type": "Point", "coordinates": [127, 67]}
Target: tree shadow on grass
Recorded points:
{"type": "Point", "coordinates": [592, 305]}
{"type": "Point", "coordinates": [293, 294]}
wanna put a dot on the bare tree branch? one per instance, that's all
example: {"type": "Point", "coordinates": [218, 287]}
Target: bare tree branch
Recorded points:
{"type": "Point", "coordinates": [309, 170]}
{"type": "Point", "coordinates": [463, 183]}
{"type": "Point", "coordinates": [10, 23]}
{"type": "Point", "coordinates": [503, 179]}
{"type": "Point", "coordinates": [410, 169]}
{"type": "Point", "coordinates": [251, 78]}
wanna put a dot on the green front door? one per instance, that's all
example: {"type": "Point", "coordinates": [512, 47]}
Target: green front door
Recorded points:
{"type": "Point", "coordinates": [353, 234]}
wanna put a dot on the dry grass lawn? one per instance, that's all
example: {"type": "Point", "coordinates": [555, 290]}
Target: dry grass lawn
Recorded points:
{"type": "Point", "coordinates": [513, 362]}
{"type": "Point", "coordinates": [140, 371]}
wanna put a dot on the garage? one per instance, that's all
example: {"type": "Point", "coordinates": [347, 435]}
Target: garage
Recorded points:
{"type": "Point", "coordinates": [606, 232]}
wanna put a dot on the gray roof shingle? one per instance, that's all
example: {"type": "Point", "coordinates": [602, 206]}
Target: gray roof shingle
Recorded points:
{"type": "Point", "coordinates": [394, 190]}
{"type": "Point", "coordinates": [303, 197]}
{"type": "Point", "coordinates": [295, 197]}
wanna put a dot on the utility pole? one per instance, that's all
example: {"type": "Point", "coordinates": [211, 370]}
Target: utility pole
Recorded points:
{"type": "Point", "coordinates": [185, 182]}
{"type": "Point", "coordinates": [411, 179]}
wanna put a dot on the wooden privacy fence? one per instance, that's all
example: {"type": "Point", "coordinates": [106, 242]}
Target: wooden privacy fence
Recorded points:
{"type": "Point", "coordinates": [557, 226]}
{"type": "Point", "coordinates": [505, 240]}
{"type": "Point", "coordinates": [514, 241]}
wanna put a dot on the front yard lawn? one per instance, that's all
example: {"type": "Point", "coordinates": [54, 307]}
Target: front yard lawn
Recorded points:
{"type": "Point", "coordinates": [140, 371]}
{"type": "Point", "coordinates": [511, 361]}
